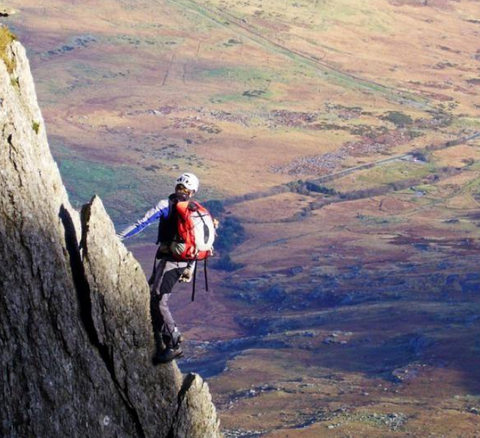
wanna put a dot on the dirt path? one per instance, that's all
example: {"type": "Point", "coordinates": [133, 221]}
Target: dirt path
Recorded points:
{"type": "Point", "coordinates": [322, 202]}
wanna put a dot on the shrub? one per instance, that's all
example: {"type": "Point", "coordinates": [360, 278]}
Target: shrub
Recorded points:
{"type": "Point", "coordinates": [215, 207]}
{"type": "Point", "coordinates": [400, 120]}
{"type": "Point", "coordinates": [319, 189]}
{"type": "Point", "coordinates": [231, 233]}
{"type": "Point", "coordinates": [225, 263]}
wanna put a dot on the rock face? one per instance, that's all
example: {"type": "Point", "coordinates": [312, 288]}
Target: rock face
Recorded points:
{"type": "Point", "coordinates": [75, 336]}
{"type": "Point", "coordinates": [195, 416]}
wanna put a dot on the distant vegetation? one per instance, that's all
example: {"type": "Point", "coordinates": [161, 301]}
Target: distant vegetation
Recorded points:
{"type": "Point", "coordinates": [304, 187]}
{"type": "Point", "coordinates": [399, 119]}
{"type": "Point", "coordinates": [215, 207]}
{"type": "Point", "coordinates": [126, 192]}
{"type": "Point", "coordinates": [312, 187]}
{"type": "Point", "coordinates": [225, 263]}
{"type": "Point", "coordinates": [420, 155]}
{"type": "Point", "coordinates": [441, 173]}
{"type": "Point", "coordinates": [230, 234]}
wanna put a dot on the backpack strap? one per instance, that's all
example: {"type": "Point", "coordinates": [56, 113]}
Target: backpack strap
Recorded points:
{"type": "Point", "coordinates": [167, 227]}
{"type": "Point", "coordinates": [194, 281]}
{"type": "Point", "coordinates": [206, 276]}
{"type": "Point", "coordinates": [193, 206]}
{"type": "Point", "coordinates": [195, 277]}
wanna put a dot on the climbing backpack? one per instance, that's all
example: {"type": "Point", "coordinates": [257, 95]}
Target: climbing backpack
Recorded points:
{"type": "Point", "coordinates": [195, 232]}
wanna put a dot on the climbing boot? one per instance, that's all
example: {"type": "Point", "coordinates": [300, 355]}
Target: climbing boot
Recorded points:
{"type": "Point", "coordinates": [167, 355]}
{"type": "Point", "coordinates": [173, 339]}
{"type": "Point", "coordinates": [172, 348]}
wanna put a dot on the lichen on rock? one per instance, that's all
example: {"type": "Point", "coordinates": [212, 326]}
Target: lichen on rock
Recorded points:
{"type": "Point", "coordinates": [6, 39]}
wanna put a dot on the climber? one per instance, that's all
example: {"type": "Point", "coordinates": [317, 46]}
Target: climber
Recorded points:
{"type": "Point", "coordinates": [169, 266]}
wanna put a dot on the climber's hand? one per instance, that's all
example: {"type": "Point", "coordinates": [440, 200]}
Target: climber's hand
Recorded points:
{"type": "Point", "coordinates": [216, 223]}
{"type": "Point", "coordinates": [186, 276]}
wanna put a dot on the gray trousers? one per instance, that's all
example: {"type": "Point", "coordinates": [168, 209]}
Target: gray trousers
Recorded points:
{"type": "Point", "coordinates": [165, 275]}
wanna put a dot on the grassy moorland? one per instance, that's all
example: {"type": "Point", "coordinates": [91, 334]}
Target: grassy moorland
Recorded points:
{"type": "Point", "coordinates": [338, 137]}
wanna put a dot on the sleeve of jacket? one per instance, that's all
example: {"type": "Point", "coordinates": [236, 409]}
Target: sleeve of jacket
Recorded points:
{"type": "Point", "coordinates": [152, 215]}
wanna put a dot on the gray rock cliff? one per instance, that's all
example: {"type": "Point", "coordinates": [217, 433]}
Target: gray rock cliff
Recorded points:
{"type": "Point", "coordinates": [75, 336]}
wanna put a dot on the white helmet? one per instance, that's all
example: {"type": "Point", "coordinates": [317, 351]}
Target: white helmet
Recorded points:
{"type": "Point", "coordinates": [189, 180]}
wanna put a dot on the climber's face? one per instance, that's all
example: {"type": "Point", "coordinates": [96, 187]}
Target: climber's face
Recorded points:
{"type": "Point", "coordinates": [182, 193]}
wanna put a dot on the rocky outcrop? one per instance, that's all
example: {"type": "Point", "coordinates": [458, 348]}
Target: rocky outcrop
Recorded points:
{"type": "Point", "coordinates": [75, 336]}
{"type": "Point", "coordinates": [6, 12]}
{"type": "Point", "coordinates": [195, 417]}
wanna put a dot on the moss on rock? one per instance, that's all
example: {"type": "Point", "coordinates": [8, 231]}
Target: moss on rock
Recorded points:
{"type": "Point", "coordinates": [6, 38]}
